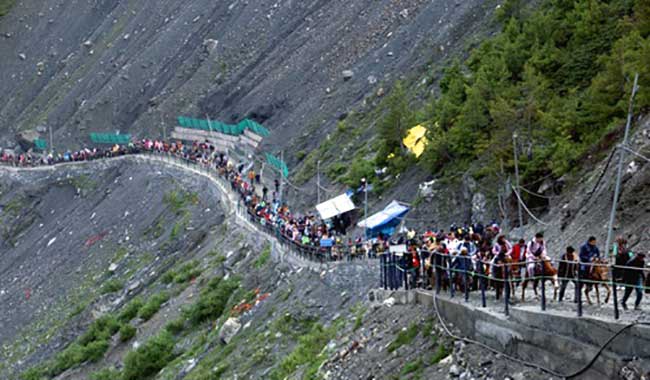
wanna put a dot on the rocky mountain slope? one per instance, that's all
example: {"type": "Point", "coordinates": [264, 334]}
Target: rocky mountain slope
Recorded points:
{"type": "Point", "coordinates": [162, 277]}
{"type": "Point", "coordinates": [132, 65]}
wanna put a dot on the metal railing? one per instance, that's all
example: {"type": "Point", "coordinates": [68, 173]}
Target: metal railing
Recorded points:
{"type": "Point", "coordinates": [337, 252]}
{"type": "Point", "coordinates": [441, 273]}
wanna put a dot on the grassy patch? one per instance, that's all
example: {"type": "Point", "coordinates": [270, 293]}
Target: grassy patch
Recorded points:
{"type": "Point", "coordinates": [5, 6]}
{"type": "Point", "coordinates": [359, 311]}
{"type": "Point", "coordinates": [83, 182]}
{"type": "Point", "coordinates": [307, 354]}
{"type": "Point", "coordinates": [441, 352]}
{"type": "Point", "coordinates": [186, 273]}
{"type": "Point", "coordinates": [111, 286]}
{"type": "Point", "coordinates": [14, 206]}
{"type": "Point", "coordinates": [91, 346]}
{"type": "Point", "coordinates": [179, 200]}
{"type": "Point", "coordinates": [179, 226]}
{"type": "Point", "coordinates": [263, 258]}
{"type": "Point", "coordinates": [156, 229]}
{"type": "Point", "coordinates": [404, 337]}
{"type": "Point", "coordinates": [411, 367]}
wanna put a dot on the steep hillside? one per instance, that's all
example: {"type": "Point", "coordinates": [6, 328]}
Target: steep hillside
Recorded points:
{"type": "Point", "coordinates": [84, 66]}
{"type": "Point", "coordinates": [159, 285]}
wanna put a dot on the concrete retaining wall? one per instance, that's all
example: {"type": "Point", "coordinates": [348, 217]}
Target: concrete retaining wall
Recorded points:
{"type": "Point", "coordinates": [559, 342]}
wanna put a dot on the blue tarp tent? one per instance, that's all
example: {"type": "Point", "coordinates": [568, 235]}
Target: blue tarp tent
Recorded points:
{"type": "Point", "coordinates": [384, 221]}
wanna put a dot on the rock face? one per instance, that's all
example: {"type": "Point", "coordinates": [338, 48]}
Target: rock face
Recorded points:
{"type": "Point", "coordinates": [269, 61]}
{"type": "Point", "coordinates": [62, 246]}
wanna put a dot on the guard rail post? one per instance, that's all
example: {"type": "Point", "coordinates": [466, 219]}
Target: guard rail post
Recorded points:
{"type": "Point", "coordinates": [450, 275]}
{"type": "Point", "coordinates": [543, 290]}
{"type": "Point", "coordinates": [437, 272]}
{"type": "Point", "coordinates": [394, 272]}
{"type": "Point", "coordinates": [614, 293]}
{"type": "Point", "coordinates": [579, 291]}
{"type": "Point", "coordinates": [482, 279]}
{"type": "Point", "coordinates": [466, 284]}
{"type": "Point", "coordinates": [382, 279]}
{"type": "Point", "coordinates": [405, 272]}
{"type": "Point", "coordinates": [506, 290]}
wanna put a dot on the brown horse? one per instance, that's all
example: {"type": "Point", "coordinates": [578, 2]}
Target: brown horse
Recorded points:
{"type": "Point", "coordinates": [546, 271]}
{"type": "Point", "coordinates": [598, 275]}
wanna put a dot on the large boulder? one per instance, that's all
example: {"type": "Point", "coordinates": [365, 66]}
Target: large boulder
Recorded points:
{"type": "Point", "coordinates": [229, 329]}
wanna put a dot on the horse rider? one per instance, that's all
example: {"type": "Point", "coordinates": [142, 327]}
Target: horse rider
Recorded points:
{"type": "Point", "coordinates": [535, 253]}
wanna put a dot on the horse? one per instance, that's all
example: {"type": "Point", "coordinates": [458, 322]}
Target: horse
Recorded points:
{"type": "Point", "coordinates": [599, 274]}
{"type": "Point", "coordinates": [499, 275]}
{"type": "Point", "coordinates": [546, 271]}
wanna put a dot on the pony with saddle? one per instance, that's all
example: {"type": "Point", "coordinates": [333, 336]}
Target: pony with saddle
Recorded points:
{"type": "Point", "coordinates": [598, 275]}
{"type": "Point", "coordinates": [544, 271]}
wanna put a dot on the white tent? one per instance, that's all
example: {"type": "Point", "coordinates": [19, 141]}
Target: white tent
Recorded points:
{"type": "Point", "coordinates": [335, 206]}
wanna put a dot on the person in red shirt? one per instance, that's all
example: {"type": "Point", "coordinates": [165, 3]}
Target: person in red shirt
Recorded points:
{"type": "Point", "coordinates": [518, 256]}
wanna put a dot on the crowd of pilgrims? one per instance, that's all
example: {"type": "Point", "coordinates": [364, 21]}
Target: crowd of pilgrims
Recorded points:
{"type": "Point", "coordinates": [477, 249]}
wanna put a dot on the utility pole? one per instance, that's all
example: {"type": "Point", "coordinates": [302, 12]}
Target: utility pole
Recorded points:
{"type": "Point", "coordinates": [51, 140]}
{"type": "Point", "coordinates": [318, 179]}
{"type": "Point", "coordinates": [617, 188]}
{"type": "Point", "coordinates": [209, 123]}
{"type": "Point", "coordinates": [621, 160]}
{"type": "Point", "coordinates": [162, 123]}
{"type": "Point", "coordinates": [364, 184]}
{"type": "Point", "coordinates": [281, 176]}
{"type": "Point", "coordinates": [514, 145]}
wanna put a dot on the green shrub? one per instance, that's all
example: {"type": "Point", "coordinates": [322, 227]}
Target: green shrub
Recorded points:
{"type": "Point", "coordinates": [94, 351]}
{"type": "Point", "coordinates": [153, 305]}
{"type": "Point", "coordinates": [102, 329]}
{"type": "Point", "coordinates": [111, 286]}
{"type": "Point", "coordinates": [212, 300]}
{"type": "Point", "coordinates": [127, 332]}
{"type": "Point", "coordinates": [68, 358]}
{"type": "Point", "coordinates": [168, 277]}
{"type": "Point", "coordinates": [176, 326]}
{"type": "Point", "coordinates": [34, 373]}
{"type": "Point", "coordinates": [359, 169]}
{"type": "Point", "coordinates": [150, 358]}
{"type": "Point", "coordinates": [187, 272]}
{"type": "Point", "coordinates": [131, 310]}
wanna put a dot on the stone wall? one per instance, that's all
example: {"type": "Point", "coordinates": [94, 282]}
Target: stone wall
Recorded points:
{"type": "Point", "coordinates": [560, 342]}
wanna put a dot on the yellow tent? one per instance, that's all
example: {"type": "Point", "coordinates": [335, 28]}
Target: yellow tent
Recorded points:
{"type": "Point", "coordinates": [416, 140]}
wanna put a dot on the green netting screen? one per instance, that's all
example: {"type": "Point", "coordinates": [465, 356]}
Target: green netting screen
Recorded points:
{"type": "Point", "coordinates": [228, 129]}
{"type": "Point", "coordinates": [110, 138]}
{"type": "Point", "coordinates": [40, 144]}
{"type": "Point", "coordinates": [277, 164]}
